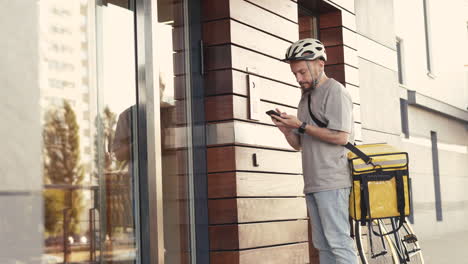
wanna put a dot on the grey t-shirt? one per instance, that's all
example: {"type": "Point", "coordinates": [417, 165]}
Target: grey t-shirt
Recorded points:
{"type": "Point", "coordinates": [325, 165]}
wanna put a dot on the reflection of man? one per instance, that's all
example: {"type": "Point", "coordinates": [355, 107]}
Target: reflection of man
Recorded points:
{"type": "Point", "coordinates": [122, 147]}
{"type": "Point", "coordinates": [122, 143]}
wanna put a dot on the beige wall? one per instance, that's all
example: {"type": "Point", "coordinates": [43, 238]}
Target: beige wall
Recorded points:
{"type": "Point", "coordinates": [378, 25]}
{"type": "Point", "coordinates": [448, 37]}
{"type": "Point", "coordinates": [453, 166]}
{"type": "Point", "coordinates": [449, 85]}
{"type": "Point", "coordinates": [20, 165]}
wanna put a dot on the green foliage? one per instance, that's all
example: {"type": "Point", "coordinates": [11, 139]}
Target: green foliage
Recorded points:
{"type": "Point", "coordinates": [62, 166]}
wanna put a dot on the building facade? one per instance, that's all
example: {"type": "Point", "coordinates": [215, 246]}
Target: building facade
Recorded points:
{"type": "Point", "coordinates": [135, 130]}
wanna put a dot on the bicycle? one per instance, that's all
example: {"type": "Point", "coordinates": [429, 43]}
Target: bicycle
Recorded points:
{"type": "Point", "coordinates": [376, 245]}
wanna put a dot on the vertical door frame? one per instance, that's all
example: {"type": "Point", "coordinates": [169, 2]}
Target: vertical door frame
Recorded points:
{"type": "Point", "coordinates": [149, 134]}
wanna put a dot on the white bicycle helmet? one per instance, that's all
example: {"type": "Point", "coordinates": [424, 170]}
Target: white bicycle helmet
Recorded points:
{"type": "Point", "coordinates": [306, 49]}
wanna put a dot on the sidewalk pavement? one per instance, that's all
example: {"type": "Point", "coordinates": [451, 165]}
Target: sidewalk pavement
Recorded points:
{"type": "Point", "coordinates": [448, 249]}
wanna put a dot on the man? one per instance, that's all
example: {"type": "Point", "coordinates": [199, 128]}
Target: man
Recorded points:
{"type": "Point", "coordinates": [327, 179]}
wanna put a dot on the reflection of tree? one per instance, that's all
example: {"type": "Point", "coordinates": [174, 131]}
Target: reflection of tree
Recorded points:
{"type": "Point", "coordinates": [62, 166]}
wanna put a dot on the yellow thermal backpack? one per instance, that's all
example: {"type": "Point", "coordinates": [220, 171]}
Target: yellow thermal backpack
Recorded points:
{"type": "Point", "coordinates": [380, 177]}
{"type": "Point", "coordinates": [380, 186]}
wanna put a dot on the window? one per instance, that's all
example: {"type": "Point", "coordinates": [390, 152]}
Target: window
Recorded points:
{"type": "Point", "coordinates": [435, 166]}
{"type": "Point", "coordinates": [404, 117]}
{"type": "Point", "coordinates": [427, 28]}
{"type": "Point", "coordinates": [399, 48]}
{"type": "Point", "coordinates": [308, 24]}
{"type": "Point", "coordinates": [61, 84]}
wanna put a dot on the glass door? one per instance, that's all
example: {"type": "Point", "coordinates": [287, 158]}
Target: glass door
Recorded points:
{"type": "Point", "coordinates": [90, 151]}
{"type": "Point", "coordinates": [171, 65]}
{"type": "Point", "coordinates": [118, 231]}
{"type": "Point", "coordinates": [96, 148]}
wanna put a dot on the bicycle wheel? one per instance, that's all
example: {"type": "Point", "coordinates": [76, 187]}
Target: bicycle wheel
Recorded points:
{"type": "Point", "coordinates": [373, 248]}
{"type": "Point", "coordinates": [407, 248]}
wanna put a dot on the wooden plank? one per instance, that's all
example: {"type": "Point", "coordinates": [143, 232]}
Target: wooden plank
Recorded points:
{"type": "Point", "coordinates": [217, 32]}
{"type": "Point", "coordinates": [342, 4]}
{"type": "Point", "coordinates": [354, 91]}
{"type": "Point", "coordinates": [358, 131]}
{"type": "Point", "coordinates": [222, 185]}
{"type": "Point", "coordinates": [338, 53]}
{"type": "Point", "coordinates": [240, 133]}
{"type": "Point", "coordinates": [351, 56]}
{"type": "Point", "coordinates": [230, 31]}
{"type": "Point", "coordinates": [257, 40]}
{"type": "Point", "coordinates": [335, 54]}
{"type": "Point", "coordinates": [351, 74]}
{"type": "Point", "coordinates": [348, 20]}
{"type": "Point", "coordinates": [268, 160]}
{"type": "Point", "coordinates": [218, 58]}
{"type": "Point", "coordinates": [245, 210]}
{"type": "Point", "coordinates": [224, 257]}
{"type": "Point", "coordinates": [330, 19]}
{"type": "Point", "coordinates": [338, 36]}
{"type": "Point", "coordinates": [265, 66]}
{"type": "Point", "coordinates": [336, 72]}
{"type": "Point", "coordinates": [221, 107]}
{"type": "Point", "coordinates": [245, 236]}
{"type": "Point", "coordinates": [252, 15]}
{"type": "Point", "coordinates": [225, 107]}
{"type": "Point", "coordinates": [284, 8]}
{"type": "Point", "coordinates": [221, 159]}
{"type": "Point", "coordinates": [224, 159]}
{"type": "Point", "coordinates": [233, 81]}
{"type": "Point", "coordinates": [350, 38]}
{"type": "Point", "coordinates": [357, 113]}
{"type": "Point", "coordinates": [222, 211]}
{"type": "Point", "coordinates": [342, 54]}
{"type": "Point", "coordinates": [331, 36]}
{"type": "Point", "coordinates": [343, 73]}
{"type": "Point", "coordinates": [295, 253]}
{"type": "Point", "coordinates": [257, 17]}
{"type": "Point", "coordinates": [228, 56]}
{"type": "Point", "coordinates": [215, 9]}
{"type": "Point", "coordinates": [247, 184]}
{"type": "Point", "coordinates": [221, 82]}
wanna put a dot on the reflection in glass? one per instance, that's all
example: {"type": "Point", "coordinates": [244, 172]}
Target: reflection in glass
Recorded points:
{"type": "Point", "coordinates": [88, 99]}
{"type": "Point", "coordinates": [89, 121]}
{"type": "Point", "coordinates": [173, 84]}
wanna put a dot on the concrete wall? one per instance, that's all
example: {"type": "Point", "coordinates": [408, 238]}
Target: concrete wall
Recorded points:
{"type": "Point", "coordinates": [378, 26]}
{"type": "Point", "coordinates": [448, 37]}
{"type": "Point", "coordinates": [20, 165]}
{"type": "Point", "coordinates": [377, 71]}
{"type": "Point", "coordinates": [448, 85]}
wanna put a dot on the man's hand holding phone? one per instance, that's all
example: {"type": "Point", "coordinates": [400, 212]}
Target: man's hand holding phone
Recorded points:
{"type": "Point", "coordinates": [285, 123]}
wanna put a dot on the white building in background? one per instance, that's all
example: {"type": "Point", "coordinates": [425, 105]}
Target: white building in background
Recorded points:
{"type": "Point", "coordinates": [413, 77]}
{"type": "Point", "coordinates": [64, 67]}
{"type": "Point", "coordinates": [432, 50]}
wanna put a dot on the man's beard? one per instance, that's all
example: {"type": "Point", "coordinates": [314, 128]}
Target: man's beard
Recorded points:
{"type": "Point", "coordinates": [306, 86]}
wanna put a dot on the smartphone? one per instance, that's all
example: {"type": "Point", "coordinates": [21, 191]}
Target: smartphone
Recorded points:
{"type": "Point", "coordinates": [272, 112]}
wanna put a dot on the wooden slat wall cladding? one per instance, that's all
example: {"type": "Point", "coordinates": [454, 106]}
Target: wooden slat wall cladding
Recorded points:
{"type": "Point", "coordinates": [338, 33]}
{"type": "Point", "coordinates": [257, 211]}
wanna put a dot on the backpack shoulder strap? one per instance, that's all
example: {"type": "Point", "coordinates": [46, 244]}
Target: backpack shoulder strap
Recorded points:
{"type": "Point", "coordinates": [349, 146]}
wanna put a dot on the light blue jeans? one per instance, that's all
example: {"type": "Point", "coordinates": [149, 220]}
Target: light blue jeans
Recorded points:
{"type": "Point", "coordinates": [329, 217]}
